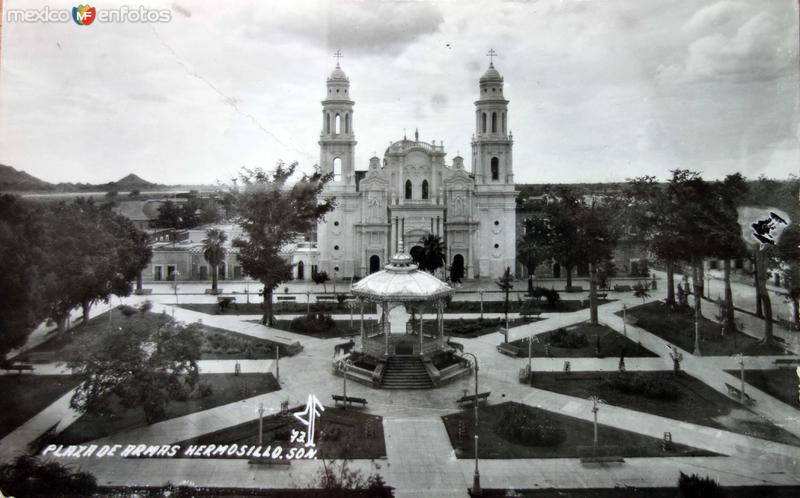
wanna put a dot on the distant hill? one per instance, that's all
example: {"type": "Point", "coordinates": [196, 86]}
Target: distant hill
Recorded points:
{"type": "Point", "coordinates": [131, 182]}
{"type": "Point", "coordinates": [11, 179]}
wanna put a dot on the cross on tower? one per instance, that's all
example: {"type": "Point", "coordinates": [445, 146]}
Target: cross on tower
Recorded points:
{"type": "Point", "coordinates": [338, 55]}
{"type": "Point", "coordinates": [491, 55]}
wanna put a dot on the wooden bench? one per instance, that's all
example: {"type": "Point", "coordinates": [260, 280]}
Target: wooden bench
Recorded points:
{"type": "Point", "coordinates": [533, 313]}
{"type": "Point", "coordinates": [326, 298]}
{"type": "Point", "coordinates": [602, 295]}
{"type": "Point", "coordinates": [224, 302]}
{"type": "Point", "coordinates": [269, 461]}
{"type": "Point", "coordinates": [285, 298]}
{"type": "Point", "coordinates": [348, 400]}
{"type": "Point", "coordinates": [508, 349]}
{"type": "Point", "coordinates": [790, 362]}
{"type": "Point", "coordinates": [19, 367]}
{"type": "Point", "coordinates": [471, 398]}
{"type": "Point", "coordinates": [623, 288]}
{"type": "Point", "coordinates": [737, 393]}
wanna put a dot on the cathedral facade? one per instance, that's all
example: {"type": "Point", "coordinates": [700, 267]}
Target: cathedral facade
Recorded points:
{"type": "Point", "coordinates": [412, 192]}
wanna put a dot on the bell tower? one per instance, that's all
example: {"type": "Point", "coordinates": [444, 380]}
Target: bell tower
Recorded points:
{"type": "Point", "coordinates": [491, 144]}
{"type": "Point", "coordinates": [337, 140]}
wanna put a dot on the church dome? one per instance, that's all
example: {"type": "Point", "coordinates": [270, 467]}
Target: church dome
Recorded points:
{"type": "Point", "coordinates": [401, 280]}
{"type": "Point", "coordinates": [491, 74]}
{"type": "Point", "coordinates": [338, 74]}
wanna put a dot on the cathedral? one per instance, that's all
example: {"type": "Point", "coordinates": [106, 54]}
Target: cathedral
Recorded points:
{"type": "Point", "coordinates": [412, 192]}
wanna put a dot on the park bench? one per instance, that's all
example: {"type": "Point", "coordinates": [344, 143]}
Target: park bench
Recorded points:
{"type": "Point", "coordinates": [281, 299]}
{"type": "Point", "coordinates": [41, 356]}
{"type": "Point", "coordinates": [224, 302]}
{"type": "Point", "coordinates": [508, 349]}
{"type": "Point", "coordinates": [573, 288]}
{"type": "Point", "coordinates": [623, 288]}
{"type": "Point", "coordinates": [269, 461]}
{"type": "Point", "coordinates": [349, 400]}
{"type": "Point", "coordinates": [471, 398]}
{"type": "Point", "coordinates": [18, 366]}
{"type": "Point", "coordinates": [735, 392]}
{"type": "Point", "coordinates": [787, 362]}
{"type": "Point", "coordinates": [602, 295]}
{"type": "Point", "coordinates": [530, 312]}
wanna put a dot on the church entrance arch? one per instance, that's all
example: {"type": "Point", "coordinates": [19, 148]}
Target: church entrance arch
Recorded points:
{"type": "Point", "coordinates": [457, 268]}
{"type": "Point", "coordinates": [301, 271]}
{"type": "Point", "coordinates": [374, 263]}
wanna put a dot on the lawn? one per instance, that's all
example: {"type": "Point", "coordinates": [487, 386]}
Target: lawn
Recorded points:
{"type": "Point", "coordinates": [695, 403]}
{"type": "Point", "coordinates": [349, 434]}
{"type": "Point", "coordinates": [581, 341]}
{"type": "Point", "coordinates": [779, 383]}
{"type": "Point", "coordinates": [565, 306]}
{"type": "Point", "coordinates": [216, 343]}
{"type": "Point", "coordinates": [471, 327]}
{"type": "Point", "coordinates": [277, 308]}
{"type": "Point", "coordinates": [225, 388]}
{"type": "Point", "coordinates": [26, 395]}
{"type": "Point", "coordinates": [563, 436]}
{"type": "Point", "coordinates": [677, 327]}
{"type": "Point", "coordinates": [327, 329]}
{"type": "Point", "coordinates": [645, 492]}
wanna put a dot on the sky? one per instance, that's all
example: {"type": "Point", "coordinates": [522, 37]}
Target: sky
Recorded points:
{"type": "Point", "coordinates": [599, 90]}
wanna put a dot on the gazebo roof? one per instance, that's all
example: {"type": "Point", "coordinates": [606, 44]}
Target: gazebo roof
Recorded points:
{"type": "Point", "coordinates": [401, 281]}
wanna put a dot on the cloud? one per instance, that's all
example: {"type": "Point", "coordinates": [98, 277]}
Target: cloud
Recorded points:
{"type": "Point", "coordinates": [761, 47]}
{"type": "Point", "coordinates": [439, 101]}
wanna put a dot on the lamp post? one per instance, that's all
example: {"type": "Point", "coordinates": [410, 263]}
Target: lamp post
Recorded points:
{"type": "Point", "coordinates": [595, 402]}
{"type": "Point", "coordinates": [696, 351]}
{"type": "Point", "coordinates": [278, 363]}
{"type": "Point", "coordinates": [175, 275]}
{"type": "Point", "coordinates": [481, 291]}
{"type": "Point", "coordinates": [740, 359]}
{"type": "Point", "coordinates": [260, 423]}
{"type": "Point", "coordinates": [476, 481]}
{"type": "Point", "coordinates": [531, 340]}
{"type": "Point", "coordinates": [308, 302]}
{"type": "Point", "coordinates": [625, 320]}
{"type": "Point", "coordinates": [344, 365]}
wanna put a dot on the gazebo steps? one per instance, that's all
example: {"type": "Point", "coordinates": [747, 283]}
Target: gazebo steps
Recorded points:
{"type": "Point", "coordinates": [405, 373]}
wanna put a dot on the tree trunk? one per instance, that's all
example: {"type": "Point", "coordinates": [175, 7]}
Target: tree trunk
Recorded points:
{"type": "Point", "coordinates": [569, 276]}
{"type": "Point", "coordinates": [761, 268]}
{"type": "Point", "coordinates": [593, 293]}
{"type": "Point", "coordinates": [696, 289]}
{"type": "Point", "coordinates": [139, 282]}
{"type": "Point", "coordinates": [670, 282]}
{"type": "Point", "coordinates": [730, 324]}
{"type": "Point", "coordinates": [214, 279]}
{"type": "Point", "coordinates": [87, 305]}
{"type": "Point", "coordinates": [759, 311]}
{"type": "Point", "coordinates": [268, 319]}
{"type": "Point", "coordinates": [61, 324]}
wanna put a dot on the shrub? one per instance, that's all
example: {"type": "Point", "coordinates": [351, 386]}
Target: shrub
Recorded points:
{"type": "Point", "coordinates": [522, 426]}
{"type": "Point", "coordinates": [553, 298]}
{"type": "Point", "coordinates": [341, 298]}
{"type": "Point", "coordinates": [145, 306]}
{"type": "Point", "coordinates": [205, 390]}
{"type": "Point", "coordinates": [313, 323]}
{"type": "Point", "coordinates": [694, 486]}
{"type": "Point", "coordinates": [564, 338]}
{"type": "Point", "coordinates": [127, 311]}
{"type": "Point", "coordinates": [644, 385]}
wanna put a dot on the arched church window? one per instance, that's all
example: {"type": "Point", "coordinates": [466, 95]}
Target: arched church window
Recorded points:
{"type": "Point", "coordinates": [494, 122]}
{"type": "Point", "coordinates": [327, 122]}
{"type": "Point", "coordinates": [495, 169]}
{"type": "Point", "coordinates": [347, 123]}
{"type": "Point", "coordinates": [408, 189]}
{"type": "Point", "coordinates": [337, 169]}
{"type": "Point", "coordinates": [424, 189]}
{"type": "Point", "coordinates": [338, 125]}
{"type": "Point", "coordinates": [483, 123]}
{"type": "Point", "coordinates": [504, 122]}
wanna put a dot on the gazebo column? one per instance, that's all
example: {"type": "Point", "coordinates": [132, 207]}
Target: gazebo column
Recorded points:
{"type": "Point", "coordinates": [363, 333]}
{"type": "Point", "coordinates": [440, 317]}
{"type": "Point", "coordinates": [386, 328]}
{"type": "Point", "coordinates": [421, 340]}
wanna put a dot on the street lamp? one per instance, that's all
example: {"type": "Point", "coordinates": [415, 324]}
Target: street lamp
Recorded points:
{"type": "Point", "coordinates": [481, 291]}
{"type": "Point", "coordinates": [625, 320]}
{"type": "Point", "coordinates": [260, 423]}
{"type": "Point", "coordinates": [740, 359]}
{"type": "Point", "coordinates": [476, 481]}
{"type": "Point", "coordinates": [595, 401]}
{"type": "Point", "coordinates": [531, 340]}
{"type": "Point", "coordinates": [696, 351]}
{"type": "Point", "coordinates": [175, 276]}
{"type": "Point", "coordinates": [343, 366]}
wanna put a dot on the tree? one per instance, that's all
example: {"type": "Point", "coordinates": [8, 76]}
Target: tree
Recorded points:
{"type": "Point", "coordinates": [214, 252]}
{"type": "Point", "coordinates": [788, 253]}
{"type": "Point", "coordinates": [32, 476]}
{"type": "Point", "coordinates": [22, 260]}
{"type": "Point", "coordinates": [564, 239]}
{"type": "Point", "coordinates": [640, 291]}
{"type": "Point", "coordinates": [505, 283]}
{"type": "Point", "coordinates": [142, 364]}
{"type": "Point", "coordinates": [272, 213]}
{"type": "Point", "coordinates": [321, 277]}
{"type": "Point", "coordinates": [533, 247]}
{"type": "Point", "coordinates": [337, 475]}
{"type": "Point", "coordinates": [432, 256]}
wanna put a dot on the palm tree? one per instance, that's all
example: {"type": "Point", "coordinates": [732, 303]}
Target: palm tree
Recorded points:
{"type": "Point", "coordinates": [214, 252]}
{"type": "Point", "coordinates": [431, 258]}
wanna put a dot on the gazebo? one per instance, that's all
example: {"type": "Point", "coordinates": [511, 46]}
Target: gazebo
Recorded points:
{"type": "Point", "coordinates": [396, 289]}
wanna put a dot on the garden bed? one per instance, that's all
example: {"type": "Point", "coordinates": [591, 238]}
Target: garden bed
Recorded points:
{"type": "Point", "coordinates": [779, 383]}
{"type": "Point", "coordinates": [696, 402]}
{"type": "Point", "coordinates": [580, 342]}
{"type": "Point", "coordinates": [471, 327]}
{"type": "Point", "coordinates": [645, 492]}
{"type": "Point", "coordinates": [225, 388]}
{"type": "Point", "coordinates": [279, 308]}
{"type": "Point", "coordinates": [677, 327]}
{"type": "Point", "coordinates": [26, 395]}
{"type": "Point", "coordinates": [323, 328]}
{"type": "Point", "coordinates": [562, 306]}
{"type": "Point", "coordinates": [561, 436]}
{"type": "Point", "coordinates": [221, 344]}
{"type": "Point", "coordinates": [341, 433]}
